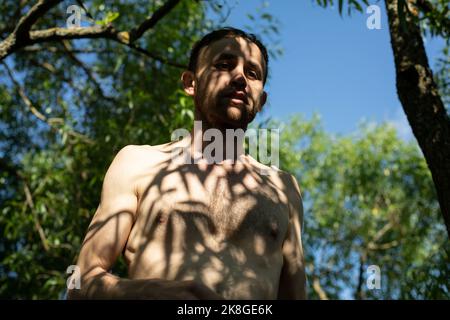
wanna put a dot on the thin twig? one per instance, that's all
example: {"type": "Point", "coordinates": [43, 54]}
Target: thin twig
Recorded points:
{"type": "Point", "coordinates": [30, 203]}
{"type": "Point", "coordinates": [49, 121]}
{"type": "Point", "coordinates": [150, 22]}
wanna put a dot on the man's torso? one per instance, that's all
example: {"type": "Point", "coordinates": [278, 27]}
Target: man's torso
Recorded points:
{"type": "Point", "coordinates": [222, 225]}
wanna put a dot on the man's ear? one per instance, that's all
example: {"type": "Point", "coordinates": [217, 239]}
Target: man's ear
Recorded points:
{"type": "Point", "coordinates": [188, 80]}
{"type": "Point", "coordinates": [263, 101]}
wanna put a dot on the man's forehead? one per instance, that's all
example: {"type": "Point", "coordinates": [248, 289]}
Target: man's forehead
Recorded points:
{"type": "Point", "coordinates": [237, 46]}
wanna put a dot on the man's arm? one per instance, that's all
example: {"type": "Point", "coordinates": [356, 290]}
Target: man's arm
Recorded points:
{"type": "Point", "coordinates": [107, 236]}
{"type": "Point", "coordinates": [293, 276]}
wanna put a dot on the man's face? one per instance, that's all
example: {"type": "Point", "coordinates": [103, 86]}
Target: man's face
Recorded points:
{"type": "Point", "coordinates": [228, 83]}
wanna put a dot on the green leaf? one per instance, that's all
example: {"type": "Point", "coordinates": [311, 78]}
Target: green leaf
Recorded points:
{"type": "Point", "coordinates": [111, 16]}
{"type": "Point", "coordinates": [119, 63]}
{"type": "Point", "coordinates": [356, 5]}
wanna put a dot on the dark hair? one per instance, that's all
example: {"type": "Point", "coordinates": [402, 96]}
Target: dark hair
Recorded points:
{"type": "Point", "coordinates": [224, 33]}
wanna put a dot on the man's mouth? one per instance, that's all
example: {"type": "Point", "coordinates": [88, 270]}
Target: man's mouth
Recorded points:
{"type": "Point", "coordinates": [238, 97]}
{"type": "Point", "coordinates": [237, 101]}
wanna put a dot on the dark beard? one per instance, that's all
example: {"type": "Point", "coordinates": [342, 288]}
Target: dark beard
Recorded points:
{"type": "Point", "coordinates": [215, 111]}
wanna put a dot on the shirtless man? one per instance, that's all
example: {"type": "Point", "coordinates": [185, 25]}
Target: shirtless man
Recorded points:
{"type": "Point", "coordinates": [200, 231]}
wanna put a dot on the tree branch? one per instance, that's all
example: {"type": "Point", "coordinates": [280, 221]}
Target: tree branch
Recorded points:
{"type": "Point", "coordinates": [421, 101]}
{"type": "Point", "coordinates": [85, 9]}
{"type": "Point", "coordinates": [6, 31]}
{"type": "Point", "coordinates": [49, 121]}
{"type": "Point", "coordinates": [383, 246]}
{"type": "Point", "coordinates": [136, 50]}
{"type": "Point", "coordinates": [87, 71]}
{"type": "Point", "coordinates": [58, 34]}
{"type": "Point", "coordinates": [27, 21]}
{"type": "Point", "coordinates": [388, 226]}
{"type": "Point", "coordinates": [24, 97]}
{"type": "Point", "coordinates": [318, 288]}
{"type": "Point", "coordinates": [44, 65]}
{"type": "Point", "coordinates": [13, 170]}
{"type": "Point", "coordinates": [156, 57]}
{"type": "Point", "coordinates": [54, 49]}
{"type": "Point", "coordinates": [37, 225]}
{"type": "Point", "coordinates": [150, 22]}
{"type": "Point", "coordinates": [12, 43]}
{"type": "Point", "coordinates": [50, 68]}
{"type": "Point", "coordinates": [316, 285]}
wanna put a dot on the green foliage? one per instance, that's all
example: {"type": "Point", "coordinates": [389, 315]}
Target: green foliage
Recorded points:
{"type": "Point", "coordinates": [369, 199]}
{"type": "Point", "coordinates": [433, 15]}
{"type": "Point", "coordinates": [110, 17]}
{"type": "Point", "coordinates": [108, 96]}
{"type": "Point", "coordinates": [442, 70]}
{"type": "Point", "coordinates": [85, 107]}
{"type": "Point", "coordinates": [436, 21]}
{"type": "Point", "coordinates": [350, 4]}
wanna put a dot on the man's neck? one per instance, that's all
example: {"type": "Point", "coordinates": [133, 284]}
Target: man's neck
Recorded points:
{"type": "Point", "coordinates": [206, 137]}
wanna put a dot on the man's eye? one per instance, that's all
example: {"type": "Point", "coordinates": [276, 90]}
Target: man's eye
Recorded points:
{"type": "Point", "coordinates": [222, 65]}
{"type": "Point", "coordinates": [253, 74]}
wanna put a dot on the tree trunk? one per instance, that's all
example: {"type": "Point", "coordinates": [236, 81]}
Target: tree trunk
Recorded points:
{"type": "Point", "coordinates": [421, 102]}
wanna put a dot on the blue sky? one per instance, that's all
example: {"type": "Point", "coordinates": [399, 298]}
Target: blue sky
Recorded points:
{"type": "Point", "coordinates": [332, 65]}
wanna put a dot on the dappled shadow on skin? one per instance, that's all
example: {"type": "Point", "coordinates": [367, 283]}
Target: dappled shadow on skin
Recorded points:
{"type": "Point", "coordinates": [98, 230]}
{"type": "Point", "coordinates": [223, 230]}
{"type": "Point", "coordinates": [220, 226]}
{"type": "Point", "coordinates": [213, 87]}
{"type": "Point", "coordinates": [98, 225]}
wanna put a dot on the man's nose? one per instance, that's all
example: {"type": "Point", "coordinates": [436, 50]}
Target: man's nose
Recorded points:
{"type": "Point", "coordinates": [238, 81]}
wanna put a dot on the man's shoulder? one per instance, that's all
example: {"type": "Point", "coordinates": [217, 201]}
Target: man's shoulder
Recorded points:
{"type": "Point", "coordinates": [286, 178]}
{"type": "Point", "coordinates": [132, 150]}
{"type": "Point", "coordinates": [132, 162]}
{"type": "Point", "coordinates": [135, 157]}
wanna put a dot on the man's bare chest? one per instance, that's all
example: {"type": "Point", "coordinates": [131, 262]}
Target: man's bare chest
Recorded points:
{"type": "Point", "coordinates": [216, 204]}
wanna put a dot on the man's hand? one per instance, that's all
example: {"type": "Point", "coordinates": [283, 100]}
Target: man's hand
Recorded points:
{"type": "Point", "coordinates": [184, 290]}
